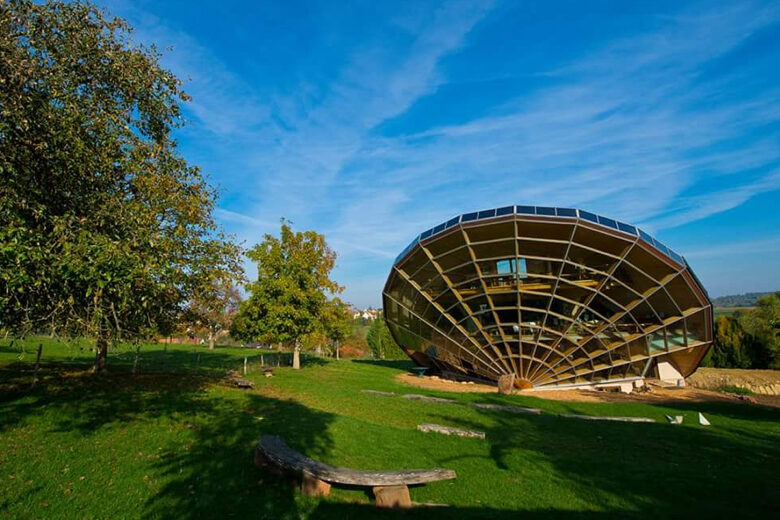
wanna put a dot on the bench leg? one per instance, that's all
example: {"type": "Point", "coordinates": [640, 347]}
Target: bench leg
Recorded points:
{"type": "Point", "coordinates": [392, 496]}
{"type": "Point", "coordinates": [311, 486]}
{"type": "Point", "coordinates": [260, 461]}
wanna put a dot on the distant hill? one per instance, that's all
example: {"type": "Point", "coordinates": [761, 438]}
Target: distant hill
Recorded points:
{"type": "Point", "coordinates": [739, 300]}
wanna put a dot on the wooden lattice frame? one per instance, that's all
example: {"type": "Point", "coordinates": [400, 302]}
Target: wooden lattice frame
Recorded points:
{"type": "Point", "coordinates": [456, 325]}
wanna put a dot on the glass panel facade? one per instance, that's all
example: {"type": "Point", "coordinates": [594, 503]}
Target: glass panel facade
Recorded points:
{"type": "Point", "coordinates": [558, 296]}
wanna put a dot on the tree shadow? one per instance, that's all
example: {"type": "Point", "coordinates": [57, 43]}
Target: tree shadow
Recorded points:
{"type": "Point", "coordinates": [341, 511]}
{"type": "Point", "coordinates": [659, 469]}
{"type": "Point", "coordinates": [207, 472]}
{"type": "Point", "coordinates": [214, 476]}
{"type": "Point", "coordinates": [398, 364]}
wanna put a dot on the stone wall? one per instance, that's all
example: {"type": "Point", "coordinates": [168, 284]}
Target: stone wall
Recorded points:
{"type": "Point", "coordinates": [762, 382]}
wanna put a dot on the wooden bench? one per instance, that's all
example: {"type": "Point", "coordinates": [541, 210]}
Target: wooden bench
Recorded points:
{"type": "Point", "coordinates": [390, 487]}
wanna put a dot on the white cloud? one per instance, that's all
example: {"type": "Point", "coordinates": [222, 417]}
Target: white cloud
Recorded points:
{"type": "Point", "coordinates": [748, 247]}
{"type": "Point", "coordinates": [634, 131]}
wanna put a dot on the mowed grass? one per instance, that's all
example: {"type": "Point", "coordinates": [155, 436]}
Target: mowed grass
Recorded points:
{"type": "Point", "coordinates": [178, 443]}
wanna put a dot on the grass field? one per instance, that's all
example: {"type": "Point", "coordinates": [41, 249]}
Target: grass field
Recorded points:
{"type": "Point", "coordinates": [730, 311]}
{"type": "Point", "coordinates": [174, 442]}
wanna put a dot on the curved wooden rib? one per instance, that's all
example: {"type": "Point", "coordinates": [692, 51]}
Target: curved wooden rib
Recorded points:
{"type": "Point", "coordinates": [550, 307]}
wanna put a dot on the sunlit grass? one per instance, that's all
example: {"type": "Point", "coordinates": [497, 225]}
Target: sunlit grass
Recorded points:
{"type": "Point", "coordinates": [177, 443]}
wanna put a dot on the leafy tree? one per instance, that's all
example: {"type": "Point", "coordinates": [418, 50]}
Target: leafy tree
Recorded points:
{"type": "Point", "coordinates": [337, 322]}
{"type": "Point", "coordinates": [732, 346]}
{"type": "Point", "coordinates": [290, 297]}
{"type": "Point", "coordinates": [105, 230]}
{"type": "Point", "coordinates": [763, 323]}
{"type": "Point", "coordinates": [212, 308]}
{"type": "Point", "coordinates": [381, 342]}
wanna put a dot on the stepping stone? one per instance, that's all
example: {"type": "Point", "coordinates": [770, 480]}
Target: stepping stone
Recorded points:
{"type": "Point", "coordinates": [677, 419]}
{"type": "Point", "coordinates": [607, 418]}
{"type": "Point", "coordinates": [703, 420]}
{"type": "Point", "coordinates": [429, 399]}
{"type": "Point", "coordinates": [505, 408]}
{"type": "Point", "coordinates": [448, 430]}
{"type": "Point", "coordinates": [378, 392]}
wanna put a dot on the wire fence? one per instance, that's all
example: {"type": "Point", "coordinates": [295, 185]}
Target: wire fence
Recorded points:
{"type": "Point", "coordinates": [33, 355]}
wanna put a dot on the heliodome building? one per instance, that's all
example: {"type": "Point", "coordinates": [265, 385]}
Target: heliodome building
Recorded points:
{"type": "Point", "coordinates": [555, 296]}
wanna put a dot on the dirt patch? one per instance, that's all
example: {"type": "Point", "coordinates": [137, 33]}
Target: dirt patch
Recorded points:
{"type": "Point", "coordinates": [655, 394]}
{"type": "Point", "coordinates": [444, 385]}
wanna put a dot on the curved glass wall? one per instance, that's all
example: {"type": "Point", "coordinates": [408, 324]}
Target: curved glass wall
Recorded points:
{"type": "Point", "coordinates": [556, 296]}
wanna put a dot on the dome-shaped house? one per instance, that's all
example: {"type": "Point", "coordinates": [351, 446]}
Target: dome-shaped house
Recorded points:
{"type": "Point", "coordinates": [553, 296]}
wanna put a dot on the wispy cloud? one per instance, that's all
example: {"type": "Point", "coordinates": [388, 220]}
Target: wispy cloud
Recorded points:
{"type": "Point", "coordinates": [239, 218]}
{"type": "Point", "coordinates": [730, 249]}
{"type": "Point", "coordinates": [621, 133]}
{"type": "Point", "coordinates": [636, 128]}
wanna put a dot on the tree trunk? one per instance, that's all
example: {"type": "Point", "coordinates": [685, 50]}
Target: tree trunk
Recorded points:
{"type": "Point", "coordinates": [337, 350]}
{"type": "Point", "coordinates": [102, 353]}
{"type": "Point", "coordinates": [211, 341]}
{"type": "Point", "coordinates": [37, 364]}
{"type": "Point", "coordinates": [297, 356]}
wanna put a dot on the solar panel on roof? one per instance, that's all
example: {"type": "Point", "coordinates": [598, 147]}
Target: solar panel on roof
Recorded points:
{"type": "Point", "coordinates": [647, 238]}
{"type": "Point", "coordinates": [604, 221]}
{"type": "Point", "coordinates": [548, 211]}
{"type": "Point", "coordinates": [627, 228]}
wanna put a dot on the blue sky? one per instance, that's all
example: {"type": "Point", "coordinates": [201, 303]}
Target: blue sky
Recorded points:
{"type": "Point", "coordinates": [372, 121]}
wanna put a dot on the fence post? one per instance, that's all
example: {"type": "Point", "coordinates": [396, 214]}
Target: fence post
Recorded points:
{"type": "Point", "coordinates": [244, 366]}
{"type": "Point", "coordinates": [135, 361]}
{"type": "Point", "coordinates": [262, 361]}
{"type": "Point", "coordinates": [37, 363]}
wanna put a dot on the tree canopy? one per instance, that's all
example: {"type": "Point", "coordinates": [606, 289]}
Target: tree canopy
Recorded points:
{"type": "Point", "coordinates": [211, 309]}
{"type": "Point", "coordinates": [750, 338]}
{"type": "Point", "coordinates": [381, 342]}
{"type": "Point", "coordinates": [290, 297]}
{"type": "Point", "coordinates": [105, 230]}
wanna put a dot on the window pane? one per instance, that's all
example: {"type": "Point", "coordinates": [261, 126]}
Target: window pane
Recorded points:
{"type": "Point", "coordinates": [648, 263]}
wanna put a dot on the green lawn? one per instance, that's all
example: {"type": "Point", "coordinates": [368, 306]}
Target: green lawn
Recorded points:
{"type": "Point", "coordinates": [173, 442]}
{"type": "Point", "coordinates": [730, 311]}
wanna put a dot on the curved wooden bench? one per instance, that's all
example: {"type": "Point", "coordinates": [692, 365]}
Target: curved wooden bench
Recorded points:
{"type": "Point", "coordinates": [390, 487]}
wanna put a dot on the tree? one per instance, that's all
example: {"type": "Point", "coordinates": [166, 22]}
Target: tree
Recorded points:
{"type": "Point", "coordinates": [212, 308]}
{"type": "Point", "coordinates": [336, 322]}
{"type": "Point", "coordinates": [105, 230]}
{"type": "Point", "coordinates": [763, 323]}
{"type": "Point", "coordinates": [732, 346]}
{"type": "Point", "coordinates": [381, 342]}
{"type": "Point", "coordinates": [290, 296]}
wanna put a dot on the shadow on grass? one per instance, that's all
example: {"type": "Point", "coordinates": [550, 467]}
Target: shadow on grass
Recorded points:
{"type": "Point", "coordinates": [124, 360]}
{"type": "Point", "coordinates": [205, 467]}
{"type": "Point", "coordinates": [206, 470]}
{"type": "Point", "coordinates": [330, 510]}
{"type": "Point", "coordinates": [661, 470]}
{"type": "Point", "coordinates": [398, 364]}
